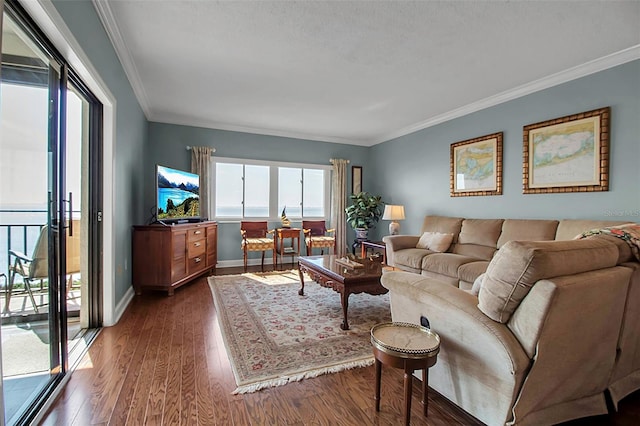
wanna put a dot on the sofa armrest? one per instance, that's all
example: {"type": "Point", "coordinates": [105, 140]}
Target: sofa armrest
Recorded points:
{"type": "Point", "coordinates": [398, 242]}
{"type": "Point", "coordinates": [454, 314]}
{"type": "Point", "coordinates": [570, 325]}
{"type": "Point", "coordinates": [478, 356]}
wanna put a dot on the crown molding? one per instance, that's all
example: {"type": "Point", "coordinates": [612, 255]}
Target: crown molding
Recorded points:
{"type": "Point", "coordinates": [110, 25]}
{"type": "Point", "coordinates": [618, 58]}
{"type": "Point", "coordinates": [207, 124]}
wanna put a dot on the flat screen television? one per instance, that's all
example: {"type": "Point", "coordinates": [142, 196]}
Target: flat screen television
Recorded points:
{"type": "Point", "coordinates": [178, 195]}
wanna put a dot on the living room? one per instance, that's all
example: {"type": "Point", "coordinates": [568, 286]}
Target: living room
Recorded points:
{"type": "Point", "coordinates": [412, 169]}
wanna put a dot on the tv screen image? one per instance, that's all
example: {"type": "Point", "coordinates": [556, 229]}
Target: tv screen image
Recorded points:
{"type": "Point", "coordinates": [178, 194]}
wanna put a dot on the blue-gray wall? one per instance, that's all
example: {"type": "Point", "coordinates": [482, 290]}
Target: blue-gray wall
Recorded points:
{"type": "Point", "coordinates": [168, 142]}
{"type": "Point", "coordinates": [413, 170]}
{"type": "Point", "coordinates": [130, 133]}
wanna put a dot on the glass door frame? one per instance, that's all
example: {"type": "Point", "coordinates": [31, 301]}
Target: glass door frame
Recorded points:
{"type": "Point", "coordinates": [94, 213]}
{"type": "Point", "coordinates": [60, 76]}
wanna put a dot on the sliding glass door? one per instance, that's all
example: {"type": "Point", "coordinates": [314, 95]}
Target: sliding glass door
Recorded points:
{"type": "Point", "coordinates": [49, 124]}
{"type": "Point", "coordinates": [32, 185]}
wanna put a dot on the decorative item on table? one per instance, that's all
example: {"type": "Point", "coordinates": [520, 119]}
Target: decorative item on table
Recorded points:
{"type": "Point", "coordinates": [349, 263]}
{"type": "Point", "coordinates": [286, 223]}
{"type": "Point", "coordinates": [351, 257]}
{"type": "Point", "coordinates": [375, 257]}
{"type": "Point", "coordinates": [394, 213]}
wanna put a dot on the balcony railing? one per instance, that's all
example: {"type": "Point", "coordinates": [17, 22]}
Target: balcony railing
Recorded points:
{"type": "Point", "coordinates": [19, 230]}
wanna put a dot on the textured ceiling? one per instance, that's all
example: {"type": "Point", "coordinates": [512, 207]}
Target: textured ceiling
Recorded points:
{"type": "Point", "coordinates": [358, 72]}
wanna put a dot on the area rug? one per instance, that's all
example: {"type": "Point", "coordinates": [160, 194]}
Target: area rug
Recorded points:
{"type": "Point", "coordinates": [273, 336]}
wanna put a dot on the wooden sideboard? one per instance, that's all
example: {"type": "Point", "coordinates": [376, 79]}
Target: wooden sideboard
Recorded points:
{"type": "Point", "coordinates": [166, 257]}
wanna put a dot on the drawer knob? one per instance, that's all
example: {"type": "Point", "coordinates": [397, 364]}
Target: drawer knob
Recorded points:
{"type": "Point", "coordinates": [197, 232]}
{"type": "Point", "coordinates": [197, 260]}
{"type": "Point", "coordinates": [196, 244]}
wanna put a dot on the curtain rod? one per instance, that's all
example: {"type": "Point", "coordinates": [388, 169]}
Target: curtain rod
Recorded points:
{"type": "Point", "coordinates": [212, 149]}
{"type": "Point", "coordinates": [333, 159]}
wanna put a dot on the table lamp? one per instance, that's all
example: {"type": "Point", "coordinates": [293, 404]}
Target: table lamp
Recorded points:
{"type": "Point", "coordinates": [394, 213]}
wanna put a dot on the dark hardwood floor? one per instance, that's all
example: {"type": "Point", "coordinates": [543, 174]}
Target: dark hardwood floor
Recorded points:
{"type": "Point", "coordinates": [165, 363]}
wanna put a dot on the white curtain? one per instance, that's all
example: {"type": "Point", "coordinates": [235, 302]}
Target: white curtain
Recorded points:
{"type": "Point", "coordinates": [200, 164]}
{"type": "Point", "coordinates": [339, 203]}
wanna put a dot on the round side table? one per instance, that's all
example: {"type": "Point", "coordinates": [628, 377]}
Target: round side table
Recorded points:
{"type": "Point", "coordinates": [407, 346]}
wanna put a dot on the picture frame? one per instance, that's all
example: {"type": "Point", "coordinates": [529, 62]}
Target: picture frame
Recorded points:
{"type": "Point", "coordinates": [476, 166]}
{"type": "Point", "coordinates": [356, 179]}
{"type": "Point", "coordinates": [567, 154]}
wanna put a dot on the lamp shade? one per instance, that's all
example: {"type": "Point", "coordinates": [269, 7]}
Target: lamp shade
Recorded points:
{"type": "Point", "coordinates": [393, 212]}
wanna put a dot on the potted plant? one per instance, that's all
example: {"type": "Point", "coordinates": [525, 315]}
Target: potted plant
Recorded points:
{"type": "Point", "coordinates": [364, 212]}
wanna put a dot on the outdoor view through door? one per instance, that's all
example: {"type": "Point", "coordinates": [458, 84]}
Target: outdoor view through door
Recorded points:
{"type": "Point", "coordinates": [46, 121]}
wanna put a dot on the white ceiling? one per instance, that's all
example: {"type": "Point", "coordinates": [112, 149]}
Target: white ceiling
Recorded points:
{"type": "Point", "coordinates": [357, 72]}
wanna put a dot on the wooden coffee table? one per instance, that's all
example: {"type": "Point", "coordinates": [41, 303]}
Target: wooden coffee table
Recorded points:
{"type": "Point", "coordinates": [345, 280]}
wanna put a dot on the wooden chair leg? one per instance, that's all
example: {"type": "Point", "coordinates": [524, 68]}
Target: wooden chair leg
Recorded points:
{"type": "Point", "coordinates": [245, 260]}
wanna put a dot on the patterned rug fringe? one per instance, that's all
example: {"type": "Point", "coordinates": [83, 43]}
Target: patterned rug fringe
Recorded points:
{"type": "Point", "coordinates": [280, 381]}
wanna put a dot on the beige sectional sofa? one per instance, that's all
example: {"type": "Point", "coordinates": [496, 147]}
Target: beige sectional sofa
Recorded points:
{"type": "Point", "coordinates": [475, 241]}
{"type": "Point", "coordinates": [553, 328]}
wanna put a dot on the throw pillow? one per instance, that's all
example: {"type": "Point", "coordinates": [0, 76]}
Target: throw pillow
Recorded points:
{"type": "Point", "coordinates": [477, 284]}
{"type": "Point", "coordinates": [518, 265]}
{"type": "Point", "coordinates": [435, 241]}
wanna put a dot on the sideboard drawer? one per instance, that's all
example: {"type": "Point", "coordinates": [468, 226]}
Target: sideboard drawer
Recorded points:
{"type": "Point", "coordinates": [196, 248]}
{"type": "Point", "coordinates": [196, 234]}
{"type": "Point", "coordinates": [196, 264]}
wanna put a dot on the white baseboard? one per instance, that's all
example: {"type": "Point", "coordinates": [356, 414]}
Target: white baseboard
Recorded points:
{"type": "Point", "coordinates": [253, 262]}
{"type": "Point", "coordinates": [122, 306]}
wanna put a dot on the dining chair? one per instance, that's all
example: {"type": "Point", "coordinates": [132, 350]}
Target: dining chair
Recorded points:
{"type": "Point", "coordinates": [316, 235]}
{"type": "Point", "coordinates": [255, 238]}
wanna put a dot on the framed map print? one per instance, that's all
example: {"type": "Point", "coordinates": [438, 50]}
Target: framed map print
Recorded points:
{"type": "Point", "coordinates": [567, 154]}
{"type": "Point", "coordinates": [476, 166]}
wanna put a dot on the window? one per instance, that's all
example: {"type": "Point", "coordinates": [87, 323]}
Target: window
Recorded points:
{"type": "Point", "coordinates": [312, 194]}
{"type": "Point", "coordinates": [243, 190]}
{"type": "Point", "coordinates": [229, 191]}
{"type": "Point", "coordinates": [262, 189]}
{"type": "Point", "coordinates": [256, 191]}
{"type": "Point", "coordinates": [290, 190]}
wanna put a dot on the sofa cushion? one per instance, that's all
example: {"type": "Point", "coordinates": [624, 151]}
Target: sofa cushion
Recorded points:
{"type": "Point", "coordinates": [568, 229]}
{"type": "Point", "coordinates": [445, 263]}
{"type": "Point", "coordinates": [527, 230]}
{"type": "Point", "coordinates": [624, 250]}
{"type": "Point", "coordinates": [411, 257]}
{"type": "Point", "coordinates": [435, 241]}
{"type": "Point", "coordinates": [519, 264]}
{"type": "Point", "coordinates": [443, 224]}
{"type": "Point", "coordinates": [484, 232]}
{"type": "Point", "coordinates": [478, 238]}
{"type": "Point", "coordinates": [470, 271]}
